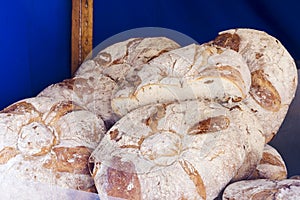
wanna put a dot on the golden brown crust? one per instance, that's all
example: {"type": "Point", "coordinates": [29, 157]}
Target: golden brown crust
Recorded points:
{"type": "Point", "coordinates": [265, 195]}
{"type": "Point", "coordinates": [210, 125]}
{"type": "Point", "coordinates": [194, 175]}
{"type": "Point", "coordinates": [268, 158]}
{"type": "Point", "coordinates": [271, 166]}
{"type": "Point", "coordinates": [263, 92]}
{"type": "Point", "coordinates": [228, 40]}
{"type": "Point", "coordinates": [19, 108]}
{"type": "Point", "coordinates": [7, 153]}
{"type": "Point", "coordinates": [69, 159]}
{"type": "Point", "coordinates": [123, 181]}
{"type": "Point", "coordinates": [49, 141]}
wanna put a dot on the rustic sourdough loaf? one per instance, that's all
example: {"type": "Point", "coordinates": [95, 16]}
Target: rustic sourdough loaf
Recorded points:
{"type": "Point", "coordinates": [191, 72]}
{"type": "Point", "coordinates": [187, 150]}
{"type": "Point", "coordinates": [273, 74]}
{"type": "Point", "coordinates": [48, 140]}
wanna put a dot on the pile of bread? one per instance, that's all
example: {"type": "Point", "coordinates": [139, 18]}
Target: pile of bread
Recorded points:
{"type": "Point", "coordinates": [148, 119]}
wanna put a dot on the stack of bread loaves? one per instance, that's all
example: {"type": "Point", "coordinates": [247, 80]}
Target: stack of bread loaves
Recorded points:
{"type": "Point", "coordinates": [148, 119]}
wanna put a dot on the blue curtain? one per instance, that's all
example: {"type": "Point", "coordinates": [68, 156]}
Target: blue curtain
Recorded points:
{"type": "Point", "coordinates": [201, 20]}
{"type": "Point", "coordinates": [34, 47]}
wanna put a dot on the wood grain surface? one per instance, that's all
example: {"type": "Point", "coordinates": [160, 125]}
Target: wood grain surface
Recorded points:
{"type": "Point", "coordinates": [82, 32]}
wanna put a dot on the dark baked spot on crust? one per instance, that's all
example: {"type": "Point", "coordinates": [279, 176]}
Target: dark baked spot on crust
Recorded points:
{"type": "Point", "coordinates": [122, 180]}
{"type": "Point", "coordinates": [258, 55]}
{"type": "Point", "coordinates": [67, 83]}
{"type": "Point", "coordinates": [228, 40]}
{"type": "Point", "coordinates": [253, 110]}
{"type": "Point", "coordinates": [263, 92]}
{"type": "Point", "coordinates": [62, 108]}
{"type": "Point", "coordinates": [210, 125]}
{"type": "Point", "coordinates": [152, 121]}
{"type": "Point", "coordinates": [69, 159]}
{"type": "Point", "coordinates": [19, 108]}
{"type": "Point", "coordinates": [114, 134]}
{"type": "Point", "coordinates": [235, 107]}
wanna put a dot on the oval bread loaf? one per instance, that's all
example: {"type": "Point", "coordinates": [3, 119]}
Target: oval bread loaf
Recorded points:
{"type": "Point", "coordinates": [48, 140]}
{"type": "Point", "coordinates": [273, 74]}
{"type": "Point", "coordinates": [187, 73]}
{"type": "Point", "coordinates": [187, 150]}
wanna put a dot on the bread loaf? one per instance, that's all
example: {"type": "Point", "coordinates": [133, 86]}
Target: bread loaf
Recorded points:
{"type": "Point", "coordinates": [187, 150]}
{"type": "Point", "coordinates": [191, 72]}
{"type": "Point", "coordinates": [273, 74]}
{"type": "Point", "coordinates": [288, 189]}
{"type": "Point", "coordinates": [271, 166]}
{"type": "Point", "coordinates": [47, 140]}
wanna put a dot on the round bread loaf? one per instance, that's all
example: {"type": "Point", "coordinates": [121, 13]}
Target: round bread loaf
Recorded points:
{"type": "Point", "coordinates": [187, 150]}
{"type": "Point", "coordinates": [288, 189]}
{"type": "Point", "coordinates": [48, 140]}
{"type": "Point", "coordinates": [187, 73]}
{"type": "Point", "coordinates": [273, 74]}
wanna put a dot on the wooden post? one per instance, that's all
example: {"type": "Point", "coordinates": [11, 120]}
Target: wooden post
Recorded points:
{"type": "Point", "coordinates": [82, 32]}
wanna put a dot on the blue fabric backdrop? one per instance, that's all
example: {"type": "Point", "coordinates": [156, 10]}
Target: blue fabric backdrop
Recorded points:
{"type": "Point", "coordinates": [34, 46]}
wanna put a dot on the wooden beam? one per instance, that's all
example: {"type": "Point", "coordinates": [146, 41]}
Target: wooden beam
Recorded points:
{"type": "Point", "coordinates": [82, 32]}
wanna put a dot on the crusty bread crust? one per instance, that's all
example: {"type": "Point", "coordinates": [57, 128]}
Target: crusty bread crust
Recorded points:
{"type": "Point", "coordinates": [191, 72]}
{"type": "Point", "coordinates": [274, 75]}
{"type": "Point", "coordinates": [48, 140]}
{"type": "Point", "coordinates": [200, 145]}
{"type": "Point", "coordinates": [271, 166]}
